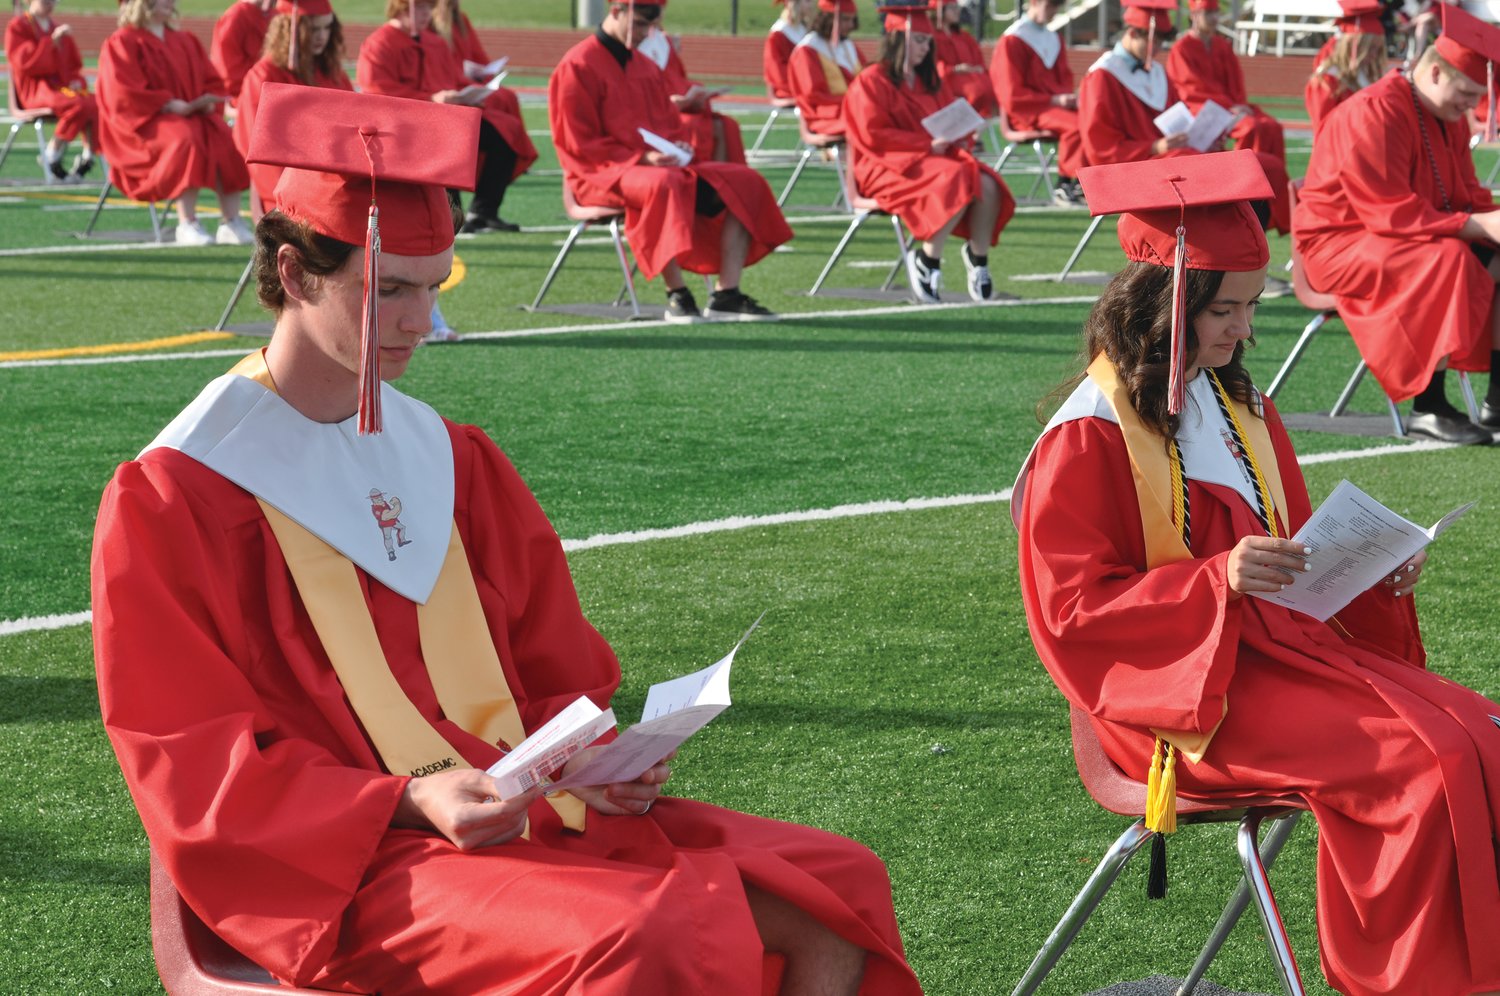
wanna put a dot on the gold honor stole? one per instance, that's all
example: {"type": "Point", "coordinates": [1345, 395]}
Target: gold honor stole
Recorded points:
{"type": "Point", "coordinates": [460, 655]}
{"type": "Point", "coordinates": [1150, 468]}
{"type": "Point", "coordinates": [834, 74]}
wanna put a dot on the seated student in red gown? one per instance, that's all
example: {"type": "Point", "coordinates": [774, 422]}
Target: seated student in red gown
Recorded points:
{"type": "Point", "coordinates": [1138, 609]}
{"type": "Point", "coordinates": [304, 46]}
{"type": "Point", "coordinates": [47, 71]}
{"type": "Point", "coordinates": [161, 125]}
{"type": "Point", "coordinates": [938, 188]}
{"type": "Point", "coordinates": [1393, 222]}
{"type": "Point", "coordinates": [960, 61]}
{"type": "Point", "coordinates": [1036, 91]}
{"type": "Point", "coordinates": [238, 38]}
{"type": "Point", "coordinates": [705, 217]}
{"type": "Point", "coordinates": [1203, 67]}
{"type": "Point", "coordinates": [304, 705]}
{"type": "Point", "coordinates": [822, 66]}
{"type": "Point", "coordinates": [405, 58]}
{"type": "Point", "coordinates": [788, 29]}
{"type": "Point", "coordinates": [712, 135]}
{"type": "Point", "coordinates": [1356, 57]}
{"type": "Point", "coordinates": [1128, 87]}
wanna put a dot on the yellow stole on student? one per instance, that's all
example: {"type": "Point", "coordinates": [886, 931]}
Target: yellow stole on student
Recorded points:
{"type": "Point", "coordinates": [1151, 470]}
{"type": "Point", "coordinates": [456, 645]}
{"type": "Point", "coordinates": [834, 74]}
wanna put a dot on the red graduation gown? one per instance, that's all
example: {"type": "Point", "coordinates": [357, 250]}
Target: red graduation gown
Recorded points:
{"type": "Point", "coordinates": [958, 48]}
{"type": "Point", "coordinates": [393, 63]}
{"type": "Point", "coordinates": [894, 162]}
{"type": "Point", "coordinates": [155, 156]}
{"type": "Point", "coordinates": [264, 176]}
{"type": "Point", "coordinates": [49, 74]}
{"type": "Point", "coordinates": [239, 35]}
{"type": "Point", "coordinates": [1372, 231]}
{"type": "Point", "coordinates": [821, 108]}
{"type": "Point", "coordinates": [595, 107]}
{"type": "Point", "coordinates": [1400, 766]}
{"type": "Point", "coordinates": [1116, 125]}
{"type": "Point", "coordinates": [701, 125]}
{"type": "Point", "coordinates": [1322, 94]}
{"type": "Point", "coordinates": [1025, 85]}
{"type": "Point", "coordinates": [774, 60]}
{"type": "Point", "coordinates": [1203, 72]}
{"type": "Point", "coordinates": [266, 802]}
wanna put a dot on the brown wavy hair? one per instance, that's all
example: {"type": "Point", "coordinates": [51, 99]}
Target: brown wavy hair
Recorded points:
{"type": "Point", "coordinates": [893, 58]}
{"type": "Point", "coordinates": [1131, 323]}
{"type": "Point", "coordinates": [328, 64]}
{"type": "Point", "coordinates": [822, 25]}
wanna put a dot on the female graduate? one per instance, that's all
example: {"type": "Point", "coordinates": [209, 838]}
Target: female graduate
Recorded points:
{"type": "Point", "coordinates": [1355, 60]}
{"type": "Point", "coordinates": [304, 46]}
{"type": "Point", "coordinates": [936, 187]}
{"type": "Point", "coordinates": [1158, 497]}
{"type": "Point", "coordinates": [47, 70]}
{"type": "Point", "coordinates": [822, 66]}
{"type": "Point", "coordinates": [161, 125]}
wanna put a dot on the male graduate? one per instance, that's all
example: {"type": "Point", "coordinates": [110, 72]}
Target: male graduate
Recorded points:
{"type": "Point", "coordinates": [237, 38]}
{"type": "Point", "coordinates": [705, 217]}
{"type": "Point", "coordinates": [1203, 67]}
{"type": "Point", "coordinates": [1124, 91]}
{"type": "Point", "coordinates": [304, 719]}
{"type": "Point", "coordinates": [1393, 222]}
{"type": "Point", "coordinates": [1036, 90]}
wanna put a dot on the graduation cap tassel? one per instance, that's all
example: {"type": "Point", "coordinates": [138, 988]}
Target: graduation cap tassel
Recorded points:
{"type": "Point", "coordinates": [1489, 120]}
{"type": "Point", "coordinates": [1156, 877]}
{"type": "Point", "coordinates": [1176, 385]}
{"type": "Point", "coordinates": [1161, 789]}
{"type": "Point", "coordinates": [369, 341]}
{"type": "Point", "coordinates": [293, 63]}
{"type": "Point", "coordinates": [1150, 38]}
{"type": "Point", "coordinates": [906, 50]}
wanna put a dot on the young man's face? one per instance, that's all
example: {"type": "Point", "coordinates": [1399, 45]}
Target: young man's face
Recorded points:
{"type": "Point", "coordinates": [630, 24]}
{"type": "Point", "coordinates": [1452, 95]}
{"type": "Point", "coordinates": [1042, 11]}
{"type": "Point", "coordinates": [1137, 42]}
{"type": "Point", "coordinates": [406, 291]}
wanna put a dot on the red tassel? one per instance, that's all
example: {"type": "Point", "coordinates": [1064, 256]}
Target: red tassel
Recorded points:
{"type": "Point", "coordinates": [291, 54]}
{"type": "Point", "coordinates": [1489, 119]}
{"type": "Point", "coordinates": [1176, 384]}
{"type": "Point", "coordinates": [1150, 39]}
{"type": "Point", "coordinates": [369, 340]}
{"type": "Point", "coordinates": [906, 51]}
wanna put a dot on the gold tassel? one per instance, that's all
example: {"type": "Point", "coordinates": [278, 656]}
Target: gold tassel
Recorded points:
{"type": "Point", "coordinates": [1161, 790]}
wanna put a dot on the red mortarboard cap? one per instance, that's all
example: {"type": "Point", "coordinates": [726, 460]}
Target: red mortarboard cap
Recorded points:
{"type": "Point", "coordinates": [906, 15]}
{"type": "Point", "coordinates": [837, 6]}
{"type": "Point", "coordinates": [304, 8]}
{"type": "Point", "coordinates": [367, 170]}
{"type": "Point", "coordinates": [1212, 5]}
{"type": "Point", "coordinates": [1468, 43]}
{"type": "Point", "coordinates": [1145, 14]}
{"type": "Point", "coordinates": [1186, 212]}
{"type": "Point", "coordinates": [1362, 24]}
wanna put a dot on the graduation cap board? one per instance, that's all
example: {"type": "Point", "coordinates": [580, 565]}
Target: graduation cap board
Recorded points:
{"type": "Point", "coordinates": [1186, 213]}
{"type": "Point", "coordinates": [367, 170]}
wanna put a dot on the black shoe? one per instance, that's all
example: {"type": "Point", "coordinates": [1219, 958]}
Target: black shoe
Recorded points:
{"type": "Point", "coordinates": [733, 306]}
{"type": "Point", "coordinates": [81, 168]}
{"type": "Point", "coordinates": [681, 307]}
{"type": "Point", "coordinates": [476, 223]}
{"type": "Point", "coordinates": [53, 166]}
{"type": "Point", "coordinates": [1447, 428]}
{"type": "Point", "coordinates": [926, 281]}
{"type": "Point", "coordinates": [1489, 417]}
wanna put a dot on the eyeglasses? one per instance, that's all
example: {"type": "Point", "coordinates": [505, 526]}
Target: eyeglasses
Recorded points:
{"type": "Point", "coordinates": [647, 12]}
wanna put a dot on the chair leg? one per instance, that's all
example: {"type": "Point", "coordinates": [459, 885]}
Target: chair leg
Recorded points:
{"type": "Point", "coordinates": [1295, 356]}
{"type": "Point", "coordinates": [1044, 164]}
{"type": "Point", "coordinates": [155, 222]}
{"type": "Point", "coordinates": [234, 299]}
{"type": "Point", "coordinates": [1276, 838]}
{"type": "Point", "coordinates": [838, 250]}
{"type": "Point", "coordinates": [1467, 389]}
{"type": "Point", "coordinates": [1489, 181]}
{"type": "Point", "coordinates": [99, 206]}
{"type": "Point", "coordinates": [1093, 227]}
{"type": "Point", "coordinates": [627, 269]}
{"type": "Point", "coordinates": [900, 264]}
{"type": "Point", "coordinates": [807, 151]}
{"type": "Point", "coordinates": [1115, 859]}
{"type": "Point", "coordinates": [10, 139]}
{"type": "Point", "coordinates": [1398, 428]}
{"type": "Point", "coordinates": [1265, 904]}
{"type": "Point", "coordinates": [765, 130]}
{"type": "Point", "coordinates": [842, 200]}
{"type": "Point", "coordinates": [557, 263]}
{"type": "Point", "coordinates": [41, 143]}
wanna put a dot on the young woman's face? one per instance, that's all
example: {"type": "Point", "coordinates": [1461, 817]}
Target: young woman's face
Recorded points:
{"type": "Point", "coordinates": [1225, 323]}
{"type": "Point", "coordinates": [320, 29]}
{"type": "Point", "coordinates": [921, 44]}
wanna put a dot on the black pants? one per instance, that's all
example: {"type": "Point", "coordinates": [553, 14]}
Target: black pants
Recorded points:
{"type": "Point", "coordinates": [494, 175]}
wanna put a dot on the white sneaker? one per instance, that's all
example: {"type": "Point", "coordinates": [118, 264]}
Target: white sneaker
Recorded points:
{"type": "Point", "coordinates": [234, 233]}
{"type": "Point", "coordinates": [442, 335]}
{"type": "Point", "coordinates": [926, 282]}
{"type": "Point", "coordinates": [191, 233]}
{"type": "Point", "coordinates": [981, 287]}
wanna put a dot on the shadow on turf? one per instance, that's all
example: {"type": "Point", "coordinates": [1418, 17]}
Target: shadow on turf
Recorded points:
{"type": "Point", "coordinates": [37, 857]}
{"type": "Point", "coordinates": [47, 700]}
{"type": "Point", "coordinates": [731, 343]}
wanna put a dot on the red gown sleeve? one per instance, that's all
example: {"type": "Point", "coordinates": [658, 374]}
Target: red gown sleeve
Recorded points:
{"type": "Point", "coordinates": [773, 59]}
{"type": "Point", "coordinates": [1192, 70]}
{"type": "Point", "coordinates": [386, 66]}
{"type": "Point", "coordinates": [216, 780]}
{"type": "Point", "coordinates": [1103, 112]}
{"type": "Point", "coordinates": [1146, 648]}
{"type": "Point", "coordinates": [126, 93]}
{"type": "Point", "coordinates": [28, 52]}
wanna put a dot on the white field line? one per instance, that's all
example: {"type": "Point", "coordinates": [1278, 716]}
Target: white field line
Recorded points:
{"type": "Point", "coordinates": [734, 523]}
{"type": "Point", "coordinates": [913, 310]}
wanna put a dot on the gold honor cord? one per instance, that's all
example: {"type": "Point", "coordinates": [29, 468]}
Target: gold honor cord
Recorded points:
{"type": "Point", "coordinates": [1267, 510]}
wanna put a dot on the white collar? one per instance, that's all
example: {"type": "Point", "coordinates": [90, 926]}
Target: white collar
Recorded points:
{"type": "Point", "coordinates": [1039, 38]}
{"type": "Point", "coordinates": [1149, 86]}
{"type": "Point", "coordinates": [321, 475]}
{"type": "Point", "coordinates": [848, 55]}
{"type": "Point", "coordinates": [656, 47]}
{"type": "Point", "coordinates": [793, 32]}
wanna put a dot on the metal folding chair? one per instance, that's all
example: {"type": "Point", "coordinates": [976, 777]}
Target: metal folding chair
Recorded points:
{"type": "Point", "coordinates": [813, 142]}
{"type": "Point", "coordinates": [584, 215]}
{"type": "Point", "coordinates": [20, 117]}
{"type": "Point", "coordinates": [1120, 793]}
{"type": "Point", "coordinates": [864, 208]}
{"type": "Point", "coordinates": [1042, 143]}
{"type": "Point", "coordinates": [99, 207]}
{"type": "Point", "coordinates": [779, 106]}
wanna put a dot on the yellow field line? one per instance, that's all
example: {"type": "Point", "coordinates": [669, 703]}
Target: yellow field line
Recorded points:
{"type": "Point", "coordinates": [457, 276]}
{"type": "Point", "coordinates": [166, 342]}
